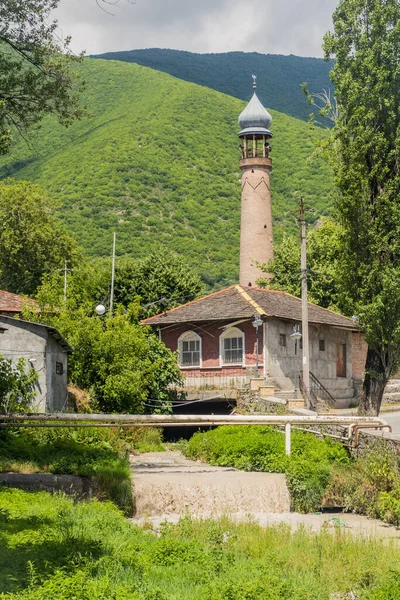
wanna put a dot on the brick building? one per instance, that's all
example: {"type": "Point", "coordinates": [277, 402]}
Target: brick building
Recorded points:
{"type": "Point", "coordinates": [216, 340]}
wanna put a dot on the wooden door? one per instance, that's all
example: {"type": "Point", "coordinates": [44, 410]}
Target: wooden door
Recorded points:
{"type": "Point", "coordinates": [341, 357]}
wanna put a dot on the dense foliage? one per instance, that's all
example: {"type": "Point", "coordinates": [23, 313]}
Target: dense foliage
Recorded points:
{"type": "Point", "coordinates": [99, 454]}
{"type": "Point", "coordinates": [32, 241]}
{"type": "Point", "coordinates": [35, 75]}
{"type": "Point", "coordinates": [160, 281]}
{"type": "Point", "coordinates": [122, 364]}
{"type": "Point", "coordinates": [279, 77]}
{"type": "Point", "coordinates": [256, 448]}
{"type": "Point", "coordinates": [364, 153]}
{"type": "Point", "coordinates": [51, 549]}
{"type": "Point", "coordinates": [158, 163]}
{"type": "Point", "coordinates": [370, 485]}
{"type": "Point", "coordinates": [17, 385]}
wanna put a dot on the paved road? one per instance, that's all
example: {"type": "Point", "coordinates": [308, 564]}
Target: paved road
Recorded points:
{"type": "Point", "coordinates": [392, 419]}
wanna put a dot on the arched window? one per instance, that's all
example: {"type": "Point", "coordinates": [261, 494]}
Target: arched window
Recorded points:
{"type": "Point", "coordinates": [232, 347]}
{"type": "Point", "coordinates": [189, 348]}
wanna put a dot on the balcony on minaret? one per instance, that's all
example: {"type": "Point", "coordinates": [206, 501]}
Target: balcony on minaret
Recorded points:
{"type": "Point", "coordinates": [256, 146]}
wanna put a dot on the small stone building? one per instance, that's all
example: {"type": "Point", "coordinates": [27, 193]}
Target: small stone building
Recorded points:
{"type": "Point", "coordinates": [46, 351]}
{"type": "Point", "coordinates": [216, 340]}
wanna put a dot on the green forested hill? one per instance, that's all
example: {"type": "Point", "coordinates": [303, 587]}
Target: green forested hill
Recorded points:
{"type": "Point", "coordinates": [158, 163]}
{"type": "Point", "coordinates": [279, 77]}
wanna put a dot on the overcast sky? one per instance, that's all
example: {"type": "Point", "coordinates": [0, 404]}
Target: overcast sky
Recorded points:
{"type": "Point", "coordinates": [266, 26]}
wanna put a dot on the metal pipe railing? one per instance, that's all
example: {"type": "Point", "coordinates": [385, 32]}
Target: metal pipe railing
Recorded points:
{"type": "Point", "coordinates": [190, 419]}
{"type": "Point", "coordinates": [111, 420]}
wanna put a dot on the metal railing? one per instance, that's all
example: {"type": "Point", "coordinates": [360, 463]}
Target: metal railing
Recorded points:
{"type": "Point", "coordinates": [320, 392]}
{"type": "Point", "coordinates": [118, 420]}
{"type": "Point", "coordinates": [316, 396]}
{"type": "Point", "coordinates": [310, 400]}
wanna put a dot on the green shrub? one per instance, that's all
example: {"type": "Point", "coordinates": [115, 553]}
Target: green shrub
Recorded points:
{"type": "Point", "coordinates": [97, 453]}
{"type": "Point", "coordinates": [359, 487]}
{"type": "Point", "coordinates": [143, 439]}
{"type": "Point", "coordinates": [258, 448]}
{"type": "Point", "coordinates": [388, 507]}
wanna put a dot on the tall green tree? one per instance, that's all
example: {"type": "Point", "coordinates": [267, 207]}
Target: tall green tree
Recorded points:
{"type": "Point", "coordinates": [364, 151]}
{"type": "Point", "coordinates": [161, 281]}
{"type": "Point", "coordinates": [32, 241]}
{"type": "Point", "coordinates": [35, 69]}
{"type": "Point", "coordinates": [324, 251]}
{"type": "Point", "coordinates": [17, 385]}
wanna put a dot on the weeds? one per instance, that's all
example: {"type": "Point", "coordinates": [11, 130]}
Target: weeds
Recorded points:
{"type": "Point", "coordinates": [98, 454]}
{"type": "Point", "coordinates": [51, 549]}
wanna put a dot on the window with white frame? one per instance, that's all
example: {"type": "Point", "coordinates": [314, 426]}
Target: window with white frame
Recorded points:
{"type": "Point", "coordinates": [189, 348]}
{"type": "Point", "coordinates": [232, 347]}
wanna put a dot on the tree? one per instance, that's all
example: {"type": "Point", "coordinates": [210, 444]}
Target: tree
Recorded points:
{"type": "Point", "coordinates": [122, 364]}
{"type": "Point", "coordinates": [324, 250]}
{"type": "Point", "coordinates": [35, 69]}
{"type": "Point", "coordinates": [364, 151]}
{"type": "Point", "coordinates": [17, 385]}
{"type": "Point", "coordinates": [32, 241]}
{"type": "Point", "coordinates": [125, 367]}
{"type": "Point", "coordinates": [162, 280]}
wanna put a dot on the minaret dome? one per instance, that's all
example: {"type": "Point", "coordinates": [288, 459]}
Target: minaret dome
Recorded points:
{"type": "Point", "coordinates": [255, 119]}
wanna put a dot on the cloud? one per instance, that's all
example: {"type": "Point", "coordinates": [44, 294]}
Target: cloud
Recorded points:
{"type": "Point", "coordinates": [266, 26]}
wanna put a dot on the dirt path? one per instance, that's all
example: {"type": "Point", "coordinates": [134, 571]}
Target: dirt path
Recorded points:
{"type": "Point", "coordinates": [167, 486]}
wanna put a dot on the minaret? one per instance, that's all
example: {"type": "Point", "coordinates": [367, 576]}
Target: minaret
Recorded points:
{"type": "Point", "coordinates": [256, 241]}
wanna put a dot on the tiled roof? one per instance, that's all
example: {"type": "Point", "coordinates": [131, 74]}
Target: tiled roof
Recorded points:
{"type": "Point", "coordinates": [12, 303]}
{"type": "Point", "coordinates": [238, 302]}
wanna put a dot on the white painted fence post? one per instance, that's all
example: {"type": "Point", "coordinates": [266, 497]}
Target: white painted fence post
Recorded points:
{"type": "Point", "coordinates": [288, 438]}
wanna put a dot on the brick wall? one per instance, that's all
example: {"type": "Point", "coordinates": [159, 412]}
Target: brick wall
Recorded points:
{"type": "Point", "coordinates": [211, 372]}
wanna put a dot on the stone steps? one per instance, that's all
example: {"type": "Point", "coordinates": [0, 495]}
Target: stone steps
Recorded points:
{"type": "Point", "coordinates": [392, 392]}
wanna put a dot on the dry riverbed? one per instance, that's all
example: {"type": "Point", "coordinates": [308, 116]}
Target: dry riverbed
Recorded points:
{"type": "Point", "coordinates": [167, 486]}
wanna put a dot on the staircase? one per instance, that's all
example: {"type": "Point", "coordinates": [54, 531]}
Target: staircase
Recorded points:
{"type": "Point", "coordinates": [392, 392]}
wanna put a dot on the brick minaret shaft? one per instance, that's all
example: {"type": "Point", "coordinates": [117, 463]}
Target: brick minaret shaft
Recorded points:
{"type": "Point", "coordinates": [256, 238]}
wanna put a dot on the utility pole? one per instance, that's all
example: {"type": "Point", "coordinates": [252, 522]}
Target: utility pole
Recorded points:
{"type": "Point", "coordinates": [304, 300]}
{"type": "Point", "coordinates": [112, 276]}
{"type": "Point", "coordinates": [65, 279]}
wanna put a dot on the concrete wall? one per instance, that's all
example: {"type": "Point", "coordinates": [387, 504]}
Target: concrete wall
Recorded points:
{"type": "Point", "coordinates": [78, 487]}
{"type": "Point", "coordinates": [25, 340]}
{"type": "Point", "coordinates": [360, 349]}
{"type": "Point", "coordinates": [56, 383]}
{"type": "Point", "coordinates": [31, 341]}
{"type": "Point", "coordinates": [281, 362]}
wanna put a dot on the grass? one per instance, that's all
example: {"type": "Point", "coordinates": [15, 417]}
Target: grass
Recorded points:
{"type": "Point", "coordinates": [52, 549]}
{"type": "Point", "coordinates": [98, 454]}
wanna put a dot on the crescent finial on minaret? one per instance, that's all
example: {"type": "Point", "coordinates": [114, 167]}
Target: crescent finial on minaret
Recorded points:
{"type": "Point", "coordinates": [254, 82]}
